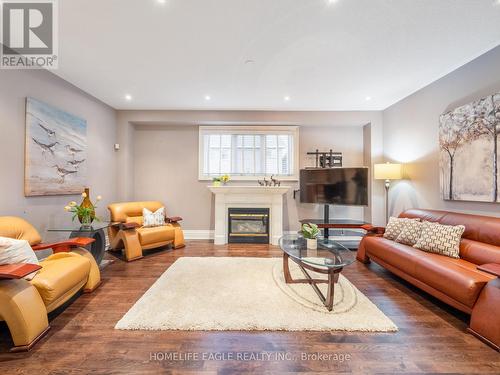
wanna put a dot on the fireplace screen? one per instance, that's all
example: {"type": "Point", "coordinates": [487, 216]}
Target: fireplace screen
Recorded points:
{"type": "Point", "coordinates": [248, 225]}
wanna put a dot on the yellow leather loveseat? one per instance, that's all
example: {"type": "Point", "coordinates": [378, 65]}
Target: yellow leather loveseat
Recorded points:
{"type": "Point", "coordinates": [24, 304]}
{"type": "Point", "coordinates": [127, 232]}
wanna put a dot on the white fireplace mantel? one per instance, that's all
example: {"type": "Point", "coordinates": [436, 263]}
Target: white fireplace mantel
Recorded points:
{"type": "Point", "coordinates": [248, 196]}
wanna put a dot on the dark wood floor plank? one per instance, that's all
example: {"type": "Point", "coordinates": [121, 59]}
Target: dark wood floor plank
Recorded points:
{"type": "Point", "coordinates": [431, 336]}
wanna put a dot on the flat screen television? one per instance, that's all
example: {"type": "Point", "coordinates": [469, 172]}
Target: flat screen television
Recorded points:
{"type": "Point", "coordinates": [340, 186]}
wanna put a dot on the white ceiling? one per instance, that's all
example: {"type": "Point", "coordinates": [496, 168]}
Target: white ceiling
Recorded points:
{"type": "Point", "coordinates": [324, 55]}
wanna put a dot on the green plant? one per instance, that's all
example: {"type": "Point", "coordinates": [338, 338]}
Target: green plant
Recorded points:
{"type": "Point", "coordinates": [310, 231]}
{"type": "Point", "coordinates": [225, 178]}
{"type": "Point", "coordinates": [85, 213]}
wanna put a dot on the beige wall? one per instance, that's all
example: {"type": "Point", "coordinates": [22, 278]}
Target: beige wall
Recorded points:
{"type": "Point", "coordinates": [165, 160]}
{"type": "Point", "coordinates": [411, 134]}
{"type": "Point", "coordinates": [15, 86]}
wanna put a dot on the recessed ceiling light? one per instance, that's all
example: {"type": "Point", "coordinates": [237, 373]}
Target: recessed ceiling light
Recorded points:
{"type": "Point", "coordinates": [161, 1]}
{"type": "Point", "coordinates": [207, 97]}
{"type": "Point", "coordinates": [128, 97]}
{"type": "Point", "coordinates": [286, 98]}
{"type": "Point", "coordinates": [368, 98]}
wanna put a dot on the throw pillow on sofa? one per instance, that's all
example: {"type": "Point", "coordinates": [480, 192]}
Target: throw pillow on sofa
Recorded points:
{"type": "Point", "coordinates": [410, 233]}
{"type": "Point", "coordinates": [153, 219]}
{"type": "Point", "coordinates": [395, 226]}
{"type": "Point", "coordinates": [14, 251]}
{"type": "Point", "coordinates": [440, 239]}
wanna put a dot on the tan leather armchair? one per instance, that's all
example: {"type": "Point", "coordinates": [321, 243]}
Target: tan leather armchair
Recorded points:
{"type": "Point", "coordinates": [128, 234]}
{"type": "Point", "coordinates": [24, 304]}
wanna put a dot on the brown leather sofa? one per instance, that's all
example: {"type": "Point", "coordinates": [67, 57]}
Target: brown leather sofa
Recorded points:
{"type": "Point", "coordinates": [127, 233]}
{"type": "Point", "coordinates": [460, 283]}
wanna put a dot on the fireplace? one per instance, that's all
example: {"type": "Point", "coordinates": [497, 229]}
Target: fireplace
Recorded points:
{"type": "Point", "coordinates": [248, 225]}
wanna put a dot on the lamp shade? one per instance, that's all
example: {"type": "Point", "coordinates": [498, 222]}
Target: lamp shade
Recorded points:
{"type": "Point", "coordinates": [387, 171]}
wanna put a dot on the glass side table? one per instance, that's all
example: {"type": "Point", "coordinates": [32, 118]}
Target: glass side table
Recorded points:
{"type": "Point", "coordinates": [95, 231]}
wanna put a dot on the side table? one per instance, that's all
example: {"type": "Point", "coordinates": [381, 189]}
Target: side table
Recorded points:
{"type": "Point", "coordinates": [95, 231]}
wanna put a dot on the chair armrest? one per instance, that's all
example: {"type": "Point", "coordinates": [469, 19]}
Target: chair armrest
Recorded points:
{"type": "Point", "coordinates": [493, 268]}
{"type": "Point", "coordinates": [18, 270]}
{"type": "Point", "coordinates": [373, 230]}
{"type": "Point", "coordinates": [64, 246]}
{"type": "Point", "coordinates": [125, 226]}
{"type": "Point", "coordinates": [173, 219]}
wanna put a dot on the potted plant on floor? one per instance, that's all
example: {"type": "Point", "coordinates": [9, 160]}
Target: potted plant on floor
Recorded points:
{"type": "Point", "coordinates": [310, 232]}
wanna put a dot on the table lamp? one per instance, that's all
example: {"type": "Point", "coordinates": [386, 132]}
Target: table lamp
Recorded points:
{"type": "Point", "coordinates": [387, 171]}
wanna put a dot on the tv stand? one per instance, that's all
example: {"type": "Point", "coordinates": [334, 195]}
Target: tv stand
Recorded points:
{"type": "Point", "coordinates": [326, 223]}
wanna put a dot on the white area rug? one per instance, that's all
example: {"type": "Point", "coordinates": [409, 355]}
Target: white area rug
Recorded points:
{"type": "Point", "coordinates": [214, 293]}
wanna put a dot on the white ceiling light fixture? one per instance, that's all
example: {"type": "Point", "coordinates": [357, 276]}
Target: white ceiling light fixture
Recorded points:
{"type": "Point", "coordinates": [128, 97]}
{"type": "Point", "coordinates": [368, 98]}
{"type": "Point", "coordinates": [286, 98]}
{"type": "Point", "coordinates": [208, 98]}
{"type": "Point", "coordinates": [161, 1]}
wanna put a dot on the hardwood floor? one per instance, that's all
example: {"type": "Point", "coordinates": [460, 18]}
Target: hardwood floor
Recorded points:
{"type": "Point", "coordinates": [431, 336]}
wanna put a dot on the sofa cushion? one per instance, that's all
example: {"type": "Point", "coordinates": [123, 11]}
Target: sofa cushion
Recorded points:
{"type": "Point", "coordinates": [440, 239]}
{"type": "Point", "coordinates": [153, 219]}
{"type": "Point", "coordinates": [149, 236]}
{"type": "Point", "coordinates": [59, 276]}
{"type": "Point", "coordinates": [395, 254]}
{"type": "Point", "coordinates": [456, 278]}
{"type": "Point", "coordinates": [395, 226]}
{"type": "Point", "coordinates": [410, 233]}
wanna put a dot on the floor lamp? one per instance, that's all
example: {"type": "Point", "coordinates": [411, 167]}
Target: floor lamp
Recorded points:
{"type": "Point", "coordinates": [387, 171]}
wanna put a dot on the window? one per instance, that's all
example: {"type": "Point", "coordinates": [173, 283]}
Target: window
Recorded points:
{"type": "Point", "coordinates": [248, 153]}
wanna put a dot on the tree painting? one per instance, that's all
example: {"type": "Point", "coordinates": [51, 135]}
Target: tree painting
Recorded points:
{"type": "Point", "coordinates": [468, 141]}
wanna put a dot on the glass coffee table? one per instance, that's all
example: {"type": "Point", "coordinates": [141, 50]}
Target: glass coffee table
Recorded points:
{"type": "Point", "coordinates": [329, 259]}
{"type": "Point", "coordinates": [95, 231]}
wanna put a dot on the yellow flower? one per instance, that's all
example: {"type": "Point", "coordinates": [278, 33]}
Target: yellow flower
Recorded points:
{"type": "Point", "coordinates": [99, 197]}
{"type": "Point", "coordinates": [84, 195]}
{"type": "Point", "coordinates": [72, 204]}
{"type": "Point", "coordinates": [67, 208]}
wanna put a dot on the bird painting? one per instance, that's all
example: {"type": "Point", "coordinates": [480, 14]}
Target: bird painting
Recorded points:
{"type": "Point", "coordinates": [45, 147]}
{"type": "Point", "coordinates": [75, 163]}
{"type": "Point", "coordinates": [56, 151]}
{"type": "Point", "coordinates": [50, 132]}
{"type": "Point", "coordinates": [63, 172]}
{"type": "Point", "coordinates": [72, 151]}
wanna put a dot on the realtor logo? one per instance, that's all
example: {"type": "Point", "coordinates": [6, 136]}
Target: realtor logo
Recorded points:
{"type": "Point", "coordinates": [29, 34]}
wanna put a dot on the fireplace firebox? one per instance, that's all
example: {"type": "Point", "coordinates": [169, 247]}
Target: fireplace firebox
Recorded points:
{"type": "Point", "coordinates": [248, 225]}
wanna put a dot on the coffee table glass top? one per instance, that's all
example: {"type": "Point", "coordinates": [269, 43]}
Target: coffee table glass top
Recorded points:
{"type": "Point", "coordinates": [75, 226]}
{"type": "Point", "coordinates": [330, 253]}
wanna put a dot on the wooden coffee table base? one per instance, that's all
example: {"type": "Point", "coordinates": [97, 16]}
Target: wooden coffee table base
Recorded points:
{"type": "Point", "coordinates": [333, 277]}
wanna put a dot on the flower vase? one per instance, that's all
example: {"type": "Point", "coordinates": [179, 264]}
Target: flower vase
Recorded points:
{"type": "Point", "coordinates": [312, 243]}
{"type": "Point", "coordinates": [87, 220]}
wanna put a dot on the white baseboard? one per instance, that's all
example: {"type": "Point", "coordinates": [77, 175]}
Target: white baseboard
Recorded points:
{"type": "Point", "coordinates": [198, 234]}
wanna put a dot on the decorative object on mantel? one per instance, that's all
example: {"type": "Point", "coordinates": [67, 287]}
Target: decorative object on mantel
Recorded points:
{"type": "Point", "coordinates": [85, 212]}
{"type": "Point", "coordinates": [468, 142]}
{"type": "Point", "coordinates": [56, 151]}
{"type": "Point", "coordinates": [387, 171]}
{"type": "Point", "coordinates": [217, 181]}
{"type": "Point", "coordinates": [272, 182]}
{"type": "Point", "coordinates": [327, 159]}
{"type": "Point", "coordinates": [310, 232]}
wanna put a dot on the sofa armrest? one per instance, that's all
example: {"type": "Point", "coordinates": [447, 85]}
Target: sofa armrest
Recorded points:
{"type": "Point", "coordinates": [18, 270]}
{"type": "Point", "coordinates": [373, 230]}
{"type": "Point", "coordinates": [126, 226]}
{"type": "Point", "coordinates": [493, 268]}
{"type": "Point", "coordinates": [64, 246]}
{"type": "Point", "coordinates": [173, 219]}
